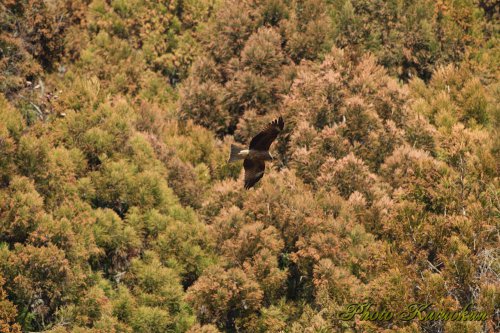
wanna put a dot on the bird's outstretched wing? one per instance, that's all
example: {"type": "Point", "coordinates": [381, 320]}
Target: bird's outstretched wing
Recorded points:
{"type": "Point", "coordinates": [254, 170]}
{"type": "Point", "coordinates": [263, 140]}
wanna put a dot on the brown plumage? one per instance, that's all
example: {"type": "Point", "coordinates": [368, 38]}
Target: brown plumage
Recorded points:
{"type": "Point", "coordinates": [254, 171]}
{"type": "Point", "coordinates": [263, 140]}
{"type": "Point", "coordinates": [258, 152]}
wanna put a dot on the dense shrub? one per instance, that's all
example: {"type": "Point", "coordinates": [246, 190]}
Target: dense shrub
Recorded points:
{"type": "Point", "coordinates": [120, 213]}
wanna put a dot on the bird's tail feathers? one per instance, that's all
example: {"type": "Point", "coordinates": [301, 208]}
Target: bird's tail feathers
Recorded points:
{"type": "Point", "coordinates": [235, 151]}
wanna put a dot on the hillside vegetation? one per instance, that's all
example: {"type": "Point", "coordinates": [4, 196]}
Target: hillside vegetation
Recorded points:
{"type": "Point", "coordinates": [119, 212]}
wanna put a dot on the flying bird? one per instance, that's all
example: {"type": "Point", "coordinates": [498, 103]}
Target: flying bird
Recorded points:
{"type": "Point", "coordinates": [255, 156]}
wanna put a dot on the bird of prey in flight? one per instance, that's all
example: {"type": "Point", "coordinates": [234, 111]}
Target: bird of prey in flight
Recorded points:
{"type": "Point", "coordinates": [254, 158]}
